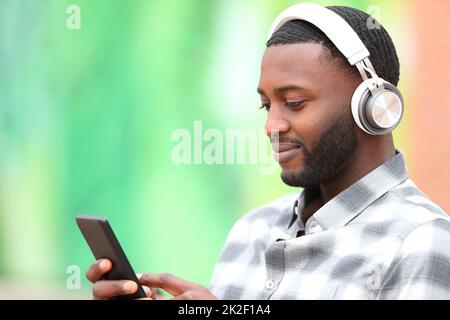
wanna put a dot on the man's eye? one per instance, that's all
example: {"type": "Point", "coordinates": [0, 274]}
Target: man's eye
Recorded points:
{"type": "Point", "coordinates": [294, 104]}
{"type": "Point", "coordinates": [265, 106]}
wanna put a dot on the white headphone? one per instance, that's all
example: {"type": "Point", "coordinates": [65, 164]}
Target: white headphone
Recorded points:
{"type": "Point", "coordinates": [377, 105]}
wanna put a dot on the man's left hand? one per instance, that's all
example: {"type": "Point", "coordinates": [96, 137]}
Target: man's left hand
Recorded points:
{"type": "Point", "coordinates": [179, 288]}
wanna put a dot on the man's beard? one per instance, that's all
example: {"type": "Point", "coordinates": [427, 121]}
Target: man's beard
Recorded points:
{"type": "Point", "coordinates": [332, 153]}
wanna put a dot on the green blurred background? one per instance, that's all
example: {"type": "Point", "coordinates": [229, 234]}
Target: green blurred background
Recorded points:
{"type": "Point", "coordinates": [86, 118]}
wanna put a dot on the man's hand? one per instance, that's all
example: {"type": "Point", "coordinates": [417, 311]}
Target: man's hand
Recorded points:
{"type": "Point", "coordinates": [107, 289]}
{"type": "Point", "coordinates": [179, 288]}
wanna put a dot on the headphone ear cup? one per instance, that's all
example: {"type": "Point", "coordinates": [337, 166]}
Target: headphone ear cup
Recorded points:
{"type": "Point", "coordinates": [359, 99]}
{"type": "Point", "coordinates": [378, 114]}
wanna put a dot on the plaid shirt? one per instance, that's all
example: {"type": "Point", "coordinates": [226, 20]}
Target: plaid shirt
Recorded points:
{"type": "Point", "coordinates": [381, 238]}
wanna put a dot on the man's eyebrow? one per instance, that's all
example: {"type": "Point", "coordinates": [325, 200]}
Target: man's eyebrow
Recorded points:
{"type": "Point", "coordinates": [289, 87]}
{"type": "Point", "coordinates": [282, 89]}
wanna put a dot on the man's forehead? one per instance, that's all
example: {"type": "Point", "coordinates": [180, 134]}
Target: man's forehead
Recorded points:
{"type": "Point", "coordinates": [295, 54]}
{"type": "Point", "coordinates": [304, 64]}
{"type": "Point", "coordinates": [299, 63]}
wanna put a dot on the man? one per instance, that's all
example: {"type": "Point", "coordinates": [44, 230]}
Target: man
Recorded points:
{"type": "Point", "coordinates": [360, 228]}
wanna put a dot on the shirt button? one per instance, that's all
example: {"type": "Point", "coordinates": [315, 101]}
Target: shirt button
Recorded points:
{"type": "Point", "coordinates": [270, 284]}
{"type": "Point", "coordinates": [314, 227]}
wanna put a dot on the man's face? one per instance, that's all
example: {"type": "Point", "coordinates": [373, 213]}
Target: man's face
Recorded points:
{"type": "Point", "coordinates": [308, 97]}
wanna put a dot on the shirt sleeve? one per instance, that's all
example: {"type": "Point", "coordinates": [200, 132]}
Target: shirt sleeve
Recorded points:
{"type": "Point", "coordinates": [421, 268]}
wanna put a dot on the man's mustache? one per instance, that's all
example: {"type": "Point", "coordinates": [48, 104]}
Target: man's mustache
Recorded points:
{"type": "Point", "coordinates": [275, 138]}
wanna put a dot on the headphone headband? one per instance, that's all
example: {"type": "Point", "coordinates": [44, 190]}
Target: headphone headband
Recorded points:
{"type": "Point", "coordinates": [334, 26]}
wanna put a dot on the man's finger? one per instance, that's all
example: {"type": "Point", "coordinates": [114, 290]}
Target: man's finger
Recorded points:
{"type": "Point", "coordinates": [149, 292]}
{"type": "Point", "coordinates": [184, 296]}
{"type": "Point", "coordinates": [195, 295]}
{"type": "Point", "coordinates": [167, 282]}
{"type": "Point", "coordinates": [106, 289]}
{"type": "Point", "coordinates": [98, 269]}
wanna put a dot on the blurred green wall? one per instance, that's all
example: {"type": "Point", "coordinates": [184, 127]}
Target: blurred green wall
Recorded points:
{"type": "Point", "coordinates": [86, 118]}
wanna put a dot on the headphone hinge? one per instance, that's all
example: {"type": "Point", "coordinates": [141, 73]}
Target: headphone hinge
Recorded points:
{"type": "Point", "coordinates": [365, 67]}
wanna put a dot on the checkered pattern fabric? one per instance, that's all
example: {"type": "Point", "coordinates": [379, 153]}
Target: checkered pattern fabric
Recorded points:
{"type": "Point", "coordinates": [381, 238]}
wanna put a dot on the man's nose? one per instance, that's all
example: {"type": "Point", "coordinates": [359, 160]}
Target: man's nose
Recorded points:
{"type": "Point", "coordinates": [276, 123]}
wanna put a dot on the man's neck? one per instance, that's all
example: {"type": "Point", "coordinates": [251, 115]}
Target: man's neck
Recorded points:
{"type": "Point", "coordinates": [363, 161]}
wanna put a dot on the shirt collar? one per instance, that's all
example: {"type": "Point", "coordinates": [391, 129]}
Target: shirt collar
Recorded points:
{"type": "Point", "coordinates": [352, 201]}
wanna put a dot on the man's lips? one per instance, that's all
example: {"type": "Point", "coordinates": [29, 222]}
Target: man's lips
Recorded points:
{"type": "Point", "coordinates": [282, 147]}
{"type": "Point", "coordinates": [284, 151]}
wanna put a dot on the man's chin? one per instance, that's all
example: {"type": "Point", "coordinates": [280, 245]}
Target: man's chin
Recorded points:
{"type": "Point", "coordinates": [293, 178]}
